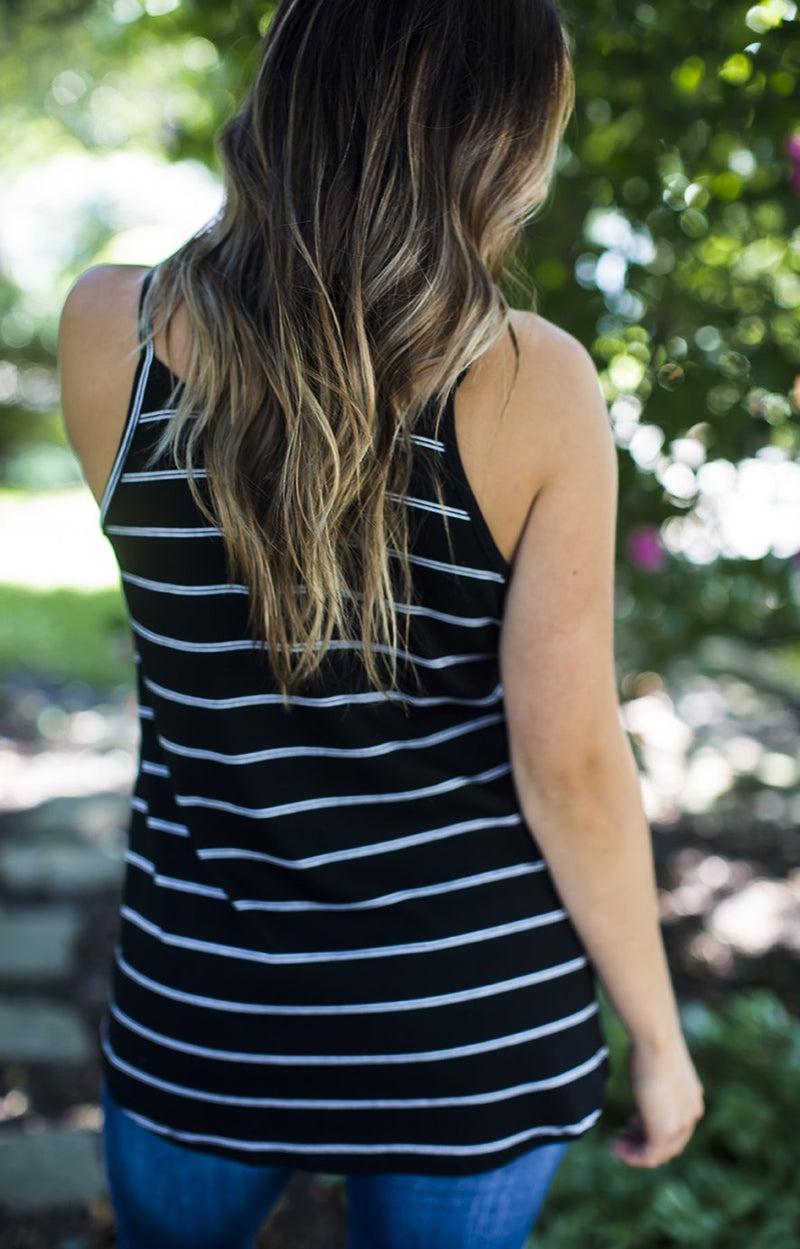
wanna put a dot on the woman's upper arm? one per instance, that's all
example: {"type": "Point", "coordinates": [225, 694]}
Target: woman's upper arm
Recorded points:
{"type": "Point", "coordinates": [83, 317]}
{"type": "Point", "coordinates": [96, 365]}
{"type": "Point", "coordinates": [557, 637]}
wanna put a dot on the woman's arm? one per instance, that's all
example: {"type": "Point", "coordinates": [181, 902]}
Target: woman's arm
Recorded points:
{"type": "Point", "coordinates": [573, 767]}
{"type": "Point", "coordinates": [97, 352]}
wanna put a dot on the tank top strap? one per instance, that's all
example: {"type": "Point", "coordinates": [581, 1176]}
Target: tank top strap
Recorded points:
{"type": "Point", "coordinates": [136, 403]}
{"type": "Point", "coordinates": [144, 326]}
{"type": "Point", "coordinates": [456, 475]}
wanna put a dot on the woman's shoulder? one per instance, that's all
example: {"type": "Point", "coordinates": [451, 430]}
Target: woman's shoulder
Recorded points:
{"type": "Point", "coordinates": [98, 323]}
{"type": "Point", "coordinates": [102, 296]}
{"type": "Point", "coordinates": [555, 385]}
{"type": "Point", "coordinates": [98, 350]}
{"type": "Point", "coordinates": [551, 360]}
{"type": "Point", "coordinates": [545, 344]}
{"type": "Point", "coordinates": [515, 425]}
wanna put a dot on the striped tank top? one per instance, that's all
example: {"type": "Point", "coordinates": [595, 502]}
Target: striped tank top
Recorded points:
{"type": "Point", "coordinates": [339, 948]}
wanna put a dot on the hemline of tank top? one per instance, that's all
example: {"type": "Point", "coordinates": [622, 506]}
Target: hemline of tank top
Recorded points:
{"type": "Point", "coordinates": [380, 1160]}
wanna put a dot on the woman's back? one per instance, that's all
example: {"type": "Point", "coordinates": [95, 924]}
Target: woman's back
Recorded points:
{"type": "Point", "coordinates": [504, 456]}
{"type": "Point", "coordinates": [335, 920]}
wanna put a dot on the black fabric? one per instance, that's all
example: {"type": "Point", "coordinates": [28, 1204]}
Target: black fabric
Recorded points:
{"type": "Point", "coordinates": [340, 948]}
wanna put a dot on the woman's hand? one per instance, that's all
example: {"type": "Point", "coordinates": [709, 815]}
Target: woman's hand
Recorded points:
{"type": "Point", "coordinates": [669, 1101]}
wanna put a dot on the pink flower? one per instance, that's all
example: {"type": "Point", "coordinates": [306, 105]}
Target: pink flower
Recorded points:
{"type": "Point", "coordinates": [645, 549]}
{"type": "Point", "coordinates": [793, 148]}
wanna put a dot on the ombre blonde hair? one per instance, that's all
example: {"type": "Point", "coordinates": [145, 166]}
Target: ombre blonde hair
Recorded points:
{"type": "Point", "coordinates": [378, 176]}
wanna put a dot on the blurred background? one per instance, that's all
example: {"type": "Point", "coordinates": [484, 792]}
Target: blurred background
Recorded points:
{"type": "Point", "coordinates": [671, 249]}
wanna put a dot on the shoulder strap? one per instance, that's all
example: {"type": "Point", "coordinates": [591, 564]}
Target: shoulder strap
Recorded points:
{"type": "Point", "coordinates": [144, 328]}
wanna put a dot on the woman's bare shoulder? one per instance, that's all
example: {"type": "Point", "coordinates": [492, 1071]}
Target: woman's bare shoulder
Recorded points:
{"type": "Point", "coordinates": [98, 348]}
{"type": "Point", "coordinates": [98, 324]}
{"type": "Point", "coordinates": [544, 343]}
{"type": "Point", "coordinates": [558, 388]}
{"type": "Point", "coordinates": [103, 294]}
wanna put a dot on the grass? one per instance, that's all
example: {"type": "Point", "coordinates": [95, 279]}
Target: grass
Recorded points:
{"type": "Point", "coordinates": [66, 634]}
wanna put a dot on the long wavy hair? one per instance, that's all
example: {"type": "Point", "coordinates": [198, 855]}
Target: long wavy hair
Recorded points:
{"type": "Point", "coordinates": [378, 177]}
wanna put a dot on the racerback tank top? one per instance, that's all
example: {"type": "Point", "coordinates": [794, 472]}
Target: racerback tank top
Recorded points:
{"type": "Point", "coordinates": [340, 948]}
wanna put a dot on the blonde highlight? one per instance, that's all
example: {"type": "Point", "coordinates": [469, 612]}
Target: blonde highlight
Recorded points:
{"type": "Point", "coordinates": [370, 213]}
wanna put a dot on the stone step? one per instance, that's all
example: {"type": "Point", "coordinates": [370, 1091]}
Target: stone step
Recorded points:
{"type": "Point", "coordinates": [36, 1031]}
{"type": "Point", "coordinates": [59, 869]}
{"type": "Point", "coordinates": [51, 1168]}
{"type": "Point", "coordinates": [38, 942]}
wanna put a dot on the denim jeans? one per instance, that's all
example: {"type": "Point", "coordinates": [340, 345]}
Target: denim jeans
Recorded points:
{"type": "Point", "coordinates": [166, 1196]}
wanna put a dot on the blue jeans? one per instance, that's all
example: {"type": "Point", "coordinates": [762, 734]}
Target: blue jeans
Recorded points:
{"type": "Point", "coordinates": [168, 1197]}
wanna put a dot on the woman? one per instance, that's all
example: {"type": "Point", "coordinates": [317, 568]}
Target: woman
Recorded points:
{"type": "Point", "coordinates": [387, 825]}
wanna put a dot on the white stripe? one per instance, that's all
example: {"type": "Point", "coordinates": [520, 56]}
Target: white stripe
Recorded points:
{"type": "Point", "coordinates": [358, 852]}
{"type": "Point", "coordinates": [291, 1147]}
{"type": "Point", "coordinates": [347, 1060]}
{"type": "Point", "coordinates": [172, 882]}
{"type": "Point", "coordinates": [334, 752]}
{"type": "Point", "coordinates": [132, 857]}
{"type": "Point", "coordinates": [360, 1103]}
{"type": "Point", "coordinates": [414, 609]}
{"type": "Point", "coordinates": [161, 414]}
{"type": "Point", "coordinates": [155, 769]}
{"type": "Point", "coordinates": [139, 804]}
{"type": "Point", "coordinates": [470, 622]}
{"type": "Point", "coordinates": [166, 826]}
{"type": "Point", "coordinates": [180, 474]}
{"type": "Point", "coordinates": [210, 531]}
{"type": "Point", "coordinates": [428, 505]}
{"type": "Point", "coordinates": [146, 713]}
{"type": "Point", "coordinates": [335, 956]}
{"type": "Point", "coordinates": [172, 587]}
{"type": "Point", "coordinates": [165, 531]}
{"type": "Point", "coordinates": [336, 856]}
{"type": "Point", "coordinates": [482, 574]}
{"type": "Point", "coordinates": [354, 1008]}
{"type": "Point", "coordinates": [322, 802]}
{"type": "Point", "coordinates": [390, 899]}
{"type": "Point", "coordinates": [331, 700]}
{"type": "Point", "coordinates": [163, 474]}
{"type": "Point", "coordinates": [336, 644]}
{"type": "Point", "coordinates": [433, 444]}
{"type": "Point", "coordinates": [130, 429]}
{"type": "Point", "coordinates": [427, 1150]}
{"type": "Point", "coordinates": [336, 1148]}
{"type": "Point", "coordinates": [197, 647]}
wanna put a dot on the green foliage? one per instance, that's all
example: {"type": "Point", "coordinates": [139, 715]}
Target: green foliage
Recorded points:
{"type": "Point", "coordinates": [734, 1186]}
{"type": "Point", "coordinates": [675, 164]}
{"type": "Point", "coordinates": [669, 245]}
{"type": "Point", "coordinates": [112, 72]}
{"type": "Point", "coordinates": [66, 635]}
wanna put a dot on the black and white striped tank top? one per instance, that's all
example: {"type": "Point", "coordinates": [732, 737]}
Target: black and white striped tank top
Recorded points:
{"type": "Point", "coordinates": [340, 948]}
